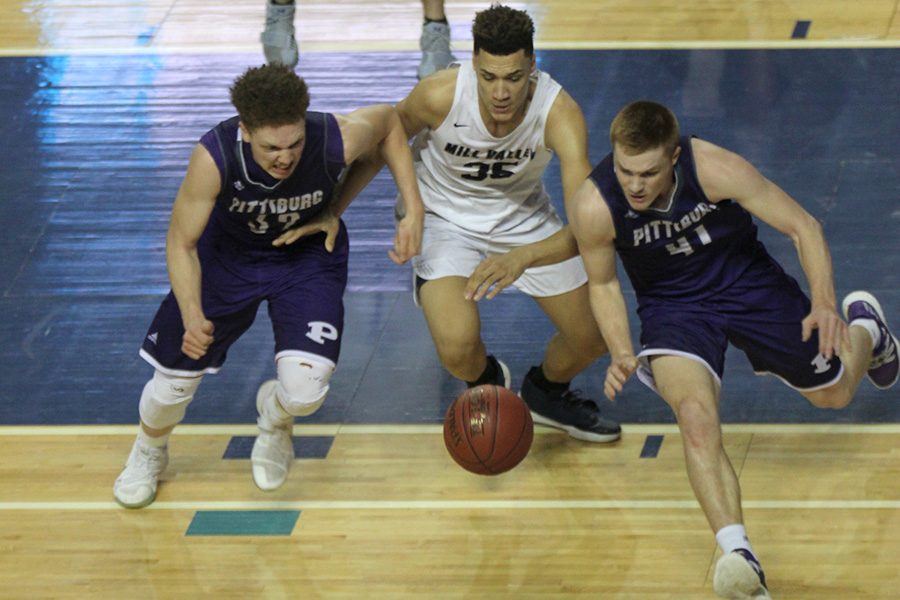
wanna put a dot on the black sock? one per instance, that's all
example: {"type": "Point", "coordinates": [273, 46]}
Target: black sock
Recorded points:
{"type": "Point", "coordinates": [536, 374]}
{"type": "Point", "coordinates": [444, 21]}
{"type": "Point", "coordinates": [489, 375]}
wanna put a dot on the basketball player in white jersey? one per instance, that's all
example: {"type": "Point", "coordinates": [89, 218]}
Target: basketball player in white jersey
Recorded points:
{"type": "Point", "coordinates": [486, 132]}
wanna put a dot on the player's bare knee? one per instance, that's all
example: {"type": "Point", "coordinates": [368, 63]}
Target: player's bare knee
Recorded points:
{"type": "Point", "coordinates": [165, 399]}
{"type": "Point", "coordinates": [835, 397]}
{"type": "Point", "coordinates": [456, 354]}
{"type": "Point", "coordinates": [303, 383]}
{"type": "Point", "coordinates": [698, 422]}
{"type": "Point", "coordinates": [455, 363]}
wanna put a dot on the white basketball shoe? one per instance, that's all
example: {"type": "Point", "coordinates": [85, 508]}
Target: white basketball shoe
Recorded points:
{"type": "Point", "coordinates": [740, 577]}
{"type": "Point", "coordinates": [273, 450]}
{"type": "Point", "coordinates": [135, 486]}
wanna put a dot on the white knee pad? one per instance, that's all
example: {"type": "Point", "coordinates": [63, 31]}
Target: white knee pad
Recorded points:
{"type": "Point", "coordinates": [303, 383]}
{"type": "Point", "coordinates": [165, 399]}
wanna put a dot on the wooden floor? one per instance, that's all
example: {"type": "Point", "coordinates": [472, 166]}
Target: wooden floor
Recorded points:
{"type": "Point", "coordinates": [31, 27]}
{"type": "Point", "coordinates": [384, 512]}
{"type": "Point", "coordinates": [388, 515]}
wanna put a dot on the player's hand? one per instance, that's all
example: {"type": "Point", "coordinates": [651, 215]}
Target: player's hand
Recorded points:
{"type": "Point", "coordinates": [408, 238]}
{"type": "Point", "coordinates": [198, 335]}
{"type": "Point", "coordinates": [325, 221]}
{"type": "Point", "coordinates": [834, 334]}
{"type": "Point", "coordinates": [493, 274]}
{"type": "Point", "coordinates": [620, 369]}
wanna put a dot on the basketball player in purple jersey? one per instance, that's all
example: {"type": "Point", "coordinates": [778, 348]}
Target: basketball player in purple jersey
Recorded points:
{"type": "Point", "coordinates": [678, 211]}
{"type": "Point", "coordinates": [252, 180]}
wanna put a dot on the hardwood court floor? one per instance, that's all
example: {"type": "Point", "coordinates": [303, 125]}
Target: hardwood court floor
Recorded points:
{"type": "Point", "coordinates": [387, 514]}
{"type": "Point", "coordinates": [30, 27]}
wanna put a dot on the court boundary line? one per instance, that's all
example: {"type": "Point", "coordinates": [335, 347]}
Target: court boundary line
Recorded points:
{"type": "Point", "coordinates": [412, 46]}
{"type": "Point", "coordinates": [320, 429]}
{"type": "Point", "coordinates": [454, 505]}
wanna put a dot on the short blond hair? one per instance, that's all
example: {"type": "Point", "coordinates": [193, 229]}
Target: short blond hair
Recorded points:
{"type": "Point", "coordinates": [645, 125]}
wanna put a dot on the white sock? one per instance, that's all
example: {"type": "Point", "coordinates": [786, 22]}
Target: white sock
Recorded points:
{"type": "Point", "coordinates": [733, 537]}
{"type": "Point", "coordinates": [154, 442]}
{"type": "Point", "coordinates": [273, 413]}
{"type": "Point", "coordinates": [872, 327]}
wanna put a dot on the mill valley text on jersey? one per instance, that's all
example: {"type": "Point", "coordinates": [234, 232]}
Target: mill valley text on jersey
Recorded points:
{"type": "Point", "coordinates": [490, 153]}
{"type": "Point", "coordinates": [481, 182]}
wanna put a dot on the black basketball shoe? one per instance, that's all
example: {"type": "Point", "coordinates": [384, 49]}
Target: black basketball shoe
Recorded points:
{"type": "Point", "coordinates": [577, 416]}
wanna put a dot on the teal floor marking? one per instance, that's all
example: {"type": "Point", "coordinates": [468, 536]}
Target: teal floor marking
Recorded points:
{"type": "Point", "coordinates": [243, 522]}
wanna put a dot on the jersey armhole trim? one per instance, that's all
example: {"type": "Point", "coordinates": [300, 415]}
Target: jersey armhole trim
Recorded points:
{"type": "Point", "coordinates": [223, 168]}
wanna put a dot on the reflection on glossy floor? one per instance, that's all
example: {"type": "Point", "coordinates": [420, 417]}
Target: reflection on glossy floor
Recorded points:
{"type": "Point", "coordinates": [387, 514]}
{"type": "Point", "coordinates": [102, 104]}
{"type": "Point", "coordinates": [31, 26]}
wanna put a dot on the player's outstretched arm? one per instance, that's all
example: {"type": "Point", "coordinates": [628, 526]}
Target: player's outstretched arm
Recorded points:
{"type": "Point", "coordinates": [190, 214]}
{"type": "Point", "coordinates": [592, 225]}
{"type": "Point", "coordinates": [327, 221]}
{"type": "Point", "coordinates": [565, 134]}
{"type": "Point", "coordinates": [499, 271]}
{"type": "Point", "coordinates": [394, 150]}
{"type": "Point", "coordinates": [426, 106]}
{"type": "Point", "coordinates": [374, 136]}
{"type": "Point", "coordinates": [724, 174]}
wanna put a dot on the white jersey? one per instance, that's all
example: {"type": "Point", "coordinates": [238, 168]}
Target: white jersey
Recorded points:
{"type": "Point", "coordinates": [483, 183]}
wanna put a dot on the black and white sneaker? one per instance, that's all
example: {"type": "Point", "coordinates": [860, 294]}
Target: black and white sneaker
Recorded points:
{"type": "Point", "coordinates": [577, 416]}
{"type": "Point", "coordinates": [502, 376]}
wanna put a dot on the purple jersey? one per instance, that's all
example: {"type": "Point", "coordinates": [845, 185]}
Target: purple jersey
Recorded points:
{"type": "Point", "coordinates": [703, 280]}
{"type": "Point", "coordinates": [302, 282]}
{"type": "Point", "coordinates": [687, 251]}
{"type": "Point", "coordinates": [253, 208]}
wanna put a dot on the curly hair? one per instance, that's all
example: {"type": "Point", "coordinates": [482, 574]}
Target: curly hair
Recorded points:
{"type": "Point", "coordinates": [270, 96]}
{"type": "Point", "coordinates": [644, 125]}
{"type": "Point", "coordinates": [501, 31]}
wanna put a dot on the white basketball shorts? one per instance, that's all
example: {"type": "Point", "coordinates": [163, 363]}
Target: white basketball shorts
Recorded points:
{"type": "Point", "coordinates": [449, 250]}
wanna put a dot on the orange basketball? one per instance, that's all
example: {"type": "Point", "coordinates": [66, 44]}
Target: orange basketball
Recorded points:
{"type": "Point", "coordinates": [488, 430]}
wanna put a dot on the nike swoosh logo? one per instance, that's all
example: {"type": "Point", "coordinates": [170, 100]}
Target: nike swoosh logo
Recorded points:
{"type": "Point", "coordinates": [460, 125]}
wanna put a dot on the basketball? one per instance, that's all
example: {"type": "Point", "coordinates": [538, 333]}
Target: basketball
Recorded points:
{"type": "Point", "coordinates": [488, 430]}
